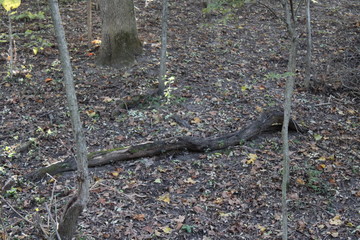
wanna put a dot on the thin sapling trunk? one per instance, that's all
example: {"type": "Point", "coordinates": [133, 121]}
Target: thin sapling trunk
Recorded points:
{"type": "Point", "coordinates": [291, 28]}
{"type": "Point", "coordinates": [162, 75]}
{"type": "Point", "coordinates": [309, 46]}
{"type": "Point", "coordinates": [68, 224]}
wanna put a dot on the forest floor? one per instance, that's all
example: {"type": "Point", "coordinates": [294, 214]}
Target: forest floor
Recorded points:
{"type": "Point", "coordinates": [221, 76]}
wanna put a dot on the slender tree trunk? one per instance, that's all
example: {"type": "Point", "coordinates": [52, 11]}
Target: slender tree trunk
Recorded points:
{"type": "Point", "coordinates": [309, 46]}
{"type": "Point", "coordinates": [291, 27]}
{"type": "Point", "coordinates": [11, 47]}
{"type": "Point", "coordinates": [164, 22]}
{"type": "Point", "coordinates": [119, 43]}
{"type": "Point", "coordinates": [285, 136]}
{"type": "Point", "coordinates": [89, 22]}
{"type": "Point", "coordinates": [68, 224]}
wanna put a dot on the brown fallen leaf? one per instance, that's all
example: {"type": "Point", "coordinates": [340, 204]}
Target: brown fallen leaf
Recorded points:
{"type": "Point", "coordinates": [180, 219]}
{"type": "Point", "coordinates": [198, 209]}
{"type": "Point", "coordinates": [139, 217]}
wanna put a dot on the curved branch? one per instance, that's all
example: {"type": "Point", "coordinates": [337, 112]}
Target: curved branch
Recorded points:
{"type": "Point", "coordinates": [268, 122]}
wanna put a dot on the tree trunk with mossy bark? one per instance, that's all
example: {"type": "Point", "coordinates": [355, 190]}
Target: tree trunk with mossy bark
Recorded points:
{"type": "Point", "coordinates": [120, 42]}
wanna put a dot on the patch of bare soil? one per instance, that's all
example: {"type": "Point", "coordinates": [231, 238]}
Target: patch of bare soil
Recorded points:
{"type": "Point", "coordinates": [221, 77]}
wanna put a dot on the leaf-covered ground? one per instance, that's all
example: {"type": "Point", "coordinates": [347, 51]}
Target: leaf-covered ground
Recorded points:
{"type": "Point", "coordinates": [221, 76]}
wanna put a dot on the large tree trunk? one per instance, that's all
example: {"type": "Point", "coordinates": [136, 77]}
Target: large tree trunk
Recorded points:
{"type": "Point", "coordinates": [120, 43]}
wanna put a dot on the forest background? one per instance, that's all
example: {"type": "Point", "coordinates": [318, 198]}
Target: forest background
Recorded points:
{"type": "Point", "coordinates": [221, 76]}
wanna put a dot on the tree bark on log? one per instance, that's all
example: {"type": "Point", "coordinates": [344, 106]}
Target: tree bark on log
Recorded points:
{"type": "Point", "coordinates": [269, 121]}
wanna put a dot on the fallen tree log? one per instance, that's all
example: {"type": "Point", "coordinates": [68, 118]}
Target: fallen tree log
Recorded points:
{"type": "Point", "coordinates": [269, 121]}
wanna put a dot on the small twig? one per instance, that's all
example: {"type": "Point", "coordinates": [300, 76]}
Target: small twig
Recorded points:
{"type": "Point", "coordinates": [40, 226]}
{"type": "Point", "coordinates": [129, 196]}
{"type": "Point", "coordinates": [53, 189]}
{"type": "Point", "coordinates": [331, 214]}
{"type": "Point", "coordinates": [272, 11]}
{"type": "Point", "coordinates": [293, 125]}
{"type": "Point", "coordinates": [53, 202]}
{"type": "Point", "coordinates": [323, 104]}
{"type": "Point", "coordinates": [54, 222]}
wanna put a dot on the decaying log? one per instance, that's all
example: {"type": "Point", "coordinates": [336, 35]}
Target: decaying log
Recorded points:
{"type": "Point", "coordinates": [268, 121]}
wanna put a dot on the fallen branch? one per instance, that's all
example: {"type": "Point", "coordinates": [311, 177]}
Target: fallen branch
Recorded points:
{"type": "Point", "coordinates": [268, 121]}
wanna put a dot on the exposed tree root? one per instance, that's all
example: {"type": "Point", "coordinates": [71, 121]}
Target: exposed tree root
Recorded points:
{"type": "Point", "coordinates": [269, 121]}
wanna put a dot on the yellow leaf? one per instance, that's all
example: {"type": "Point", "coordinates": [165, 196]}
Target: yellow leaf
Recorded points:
{"type": "Point", "coordinates": [259, 109]}
{"type": "Point", "coordinates": [196, 120]}
{"type": "Point", "coordinates": [11, 4]}
{"type": "Point", "coordinates": [321, 166]}
{"type": "Point", "coordinates": [334, 234]}
{"type": "Point", "coordinates": [322, 158]}
{"type": "Point", "coordinates": [252, 158]}
{"type": "Point", "coordinates": [351, 111]}
{"type": "Point", "coordinates": [166, 229]}
{"type": "Point", "coordinates": [157, 233]}
{"type": "Point", "coordinates": [190, 181]}
{"type": "Point", "coordinates": [244, 88]}
{"type": "Point", "coordinates": [28, 76]}
{"type": "Point", "coordinates": [300, 181]}
{"type": "Point", "coordinates": [108, 99]}
{"type": "Point", "coordinates": [161, 169]}
{"type": "Point", "coordinates": [349, 224]}
{"type": "Point", "coordinates": [262, 87]}
{"type": "Point", "coordinates": [91, 113]}
{"type": "Point", "coordinates": [218, 201]}
{"type": "Point", "coordinates": [336, 221]}
{"type": "Point", "coordinates": [222, 214]}
{"type": "Point", "coordinates": [165, 198]}
{"type": "Point", "coordinates": [115, 174]}
{"type": "Point", "coordinates": [261, 228]}
{"type": "Point", "coordinates": [97, 179]}
{"type": "Point", "coordinates": [35, 50]}
{"type": "Point", "coordinates": [96, 42]}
